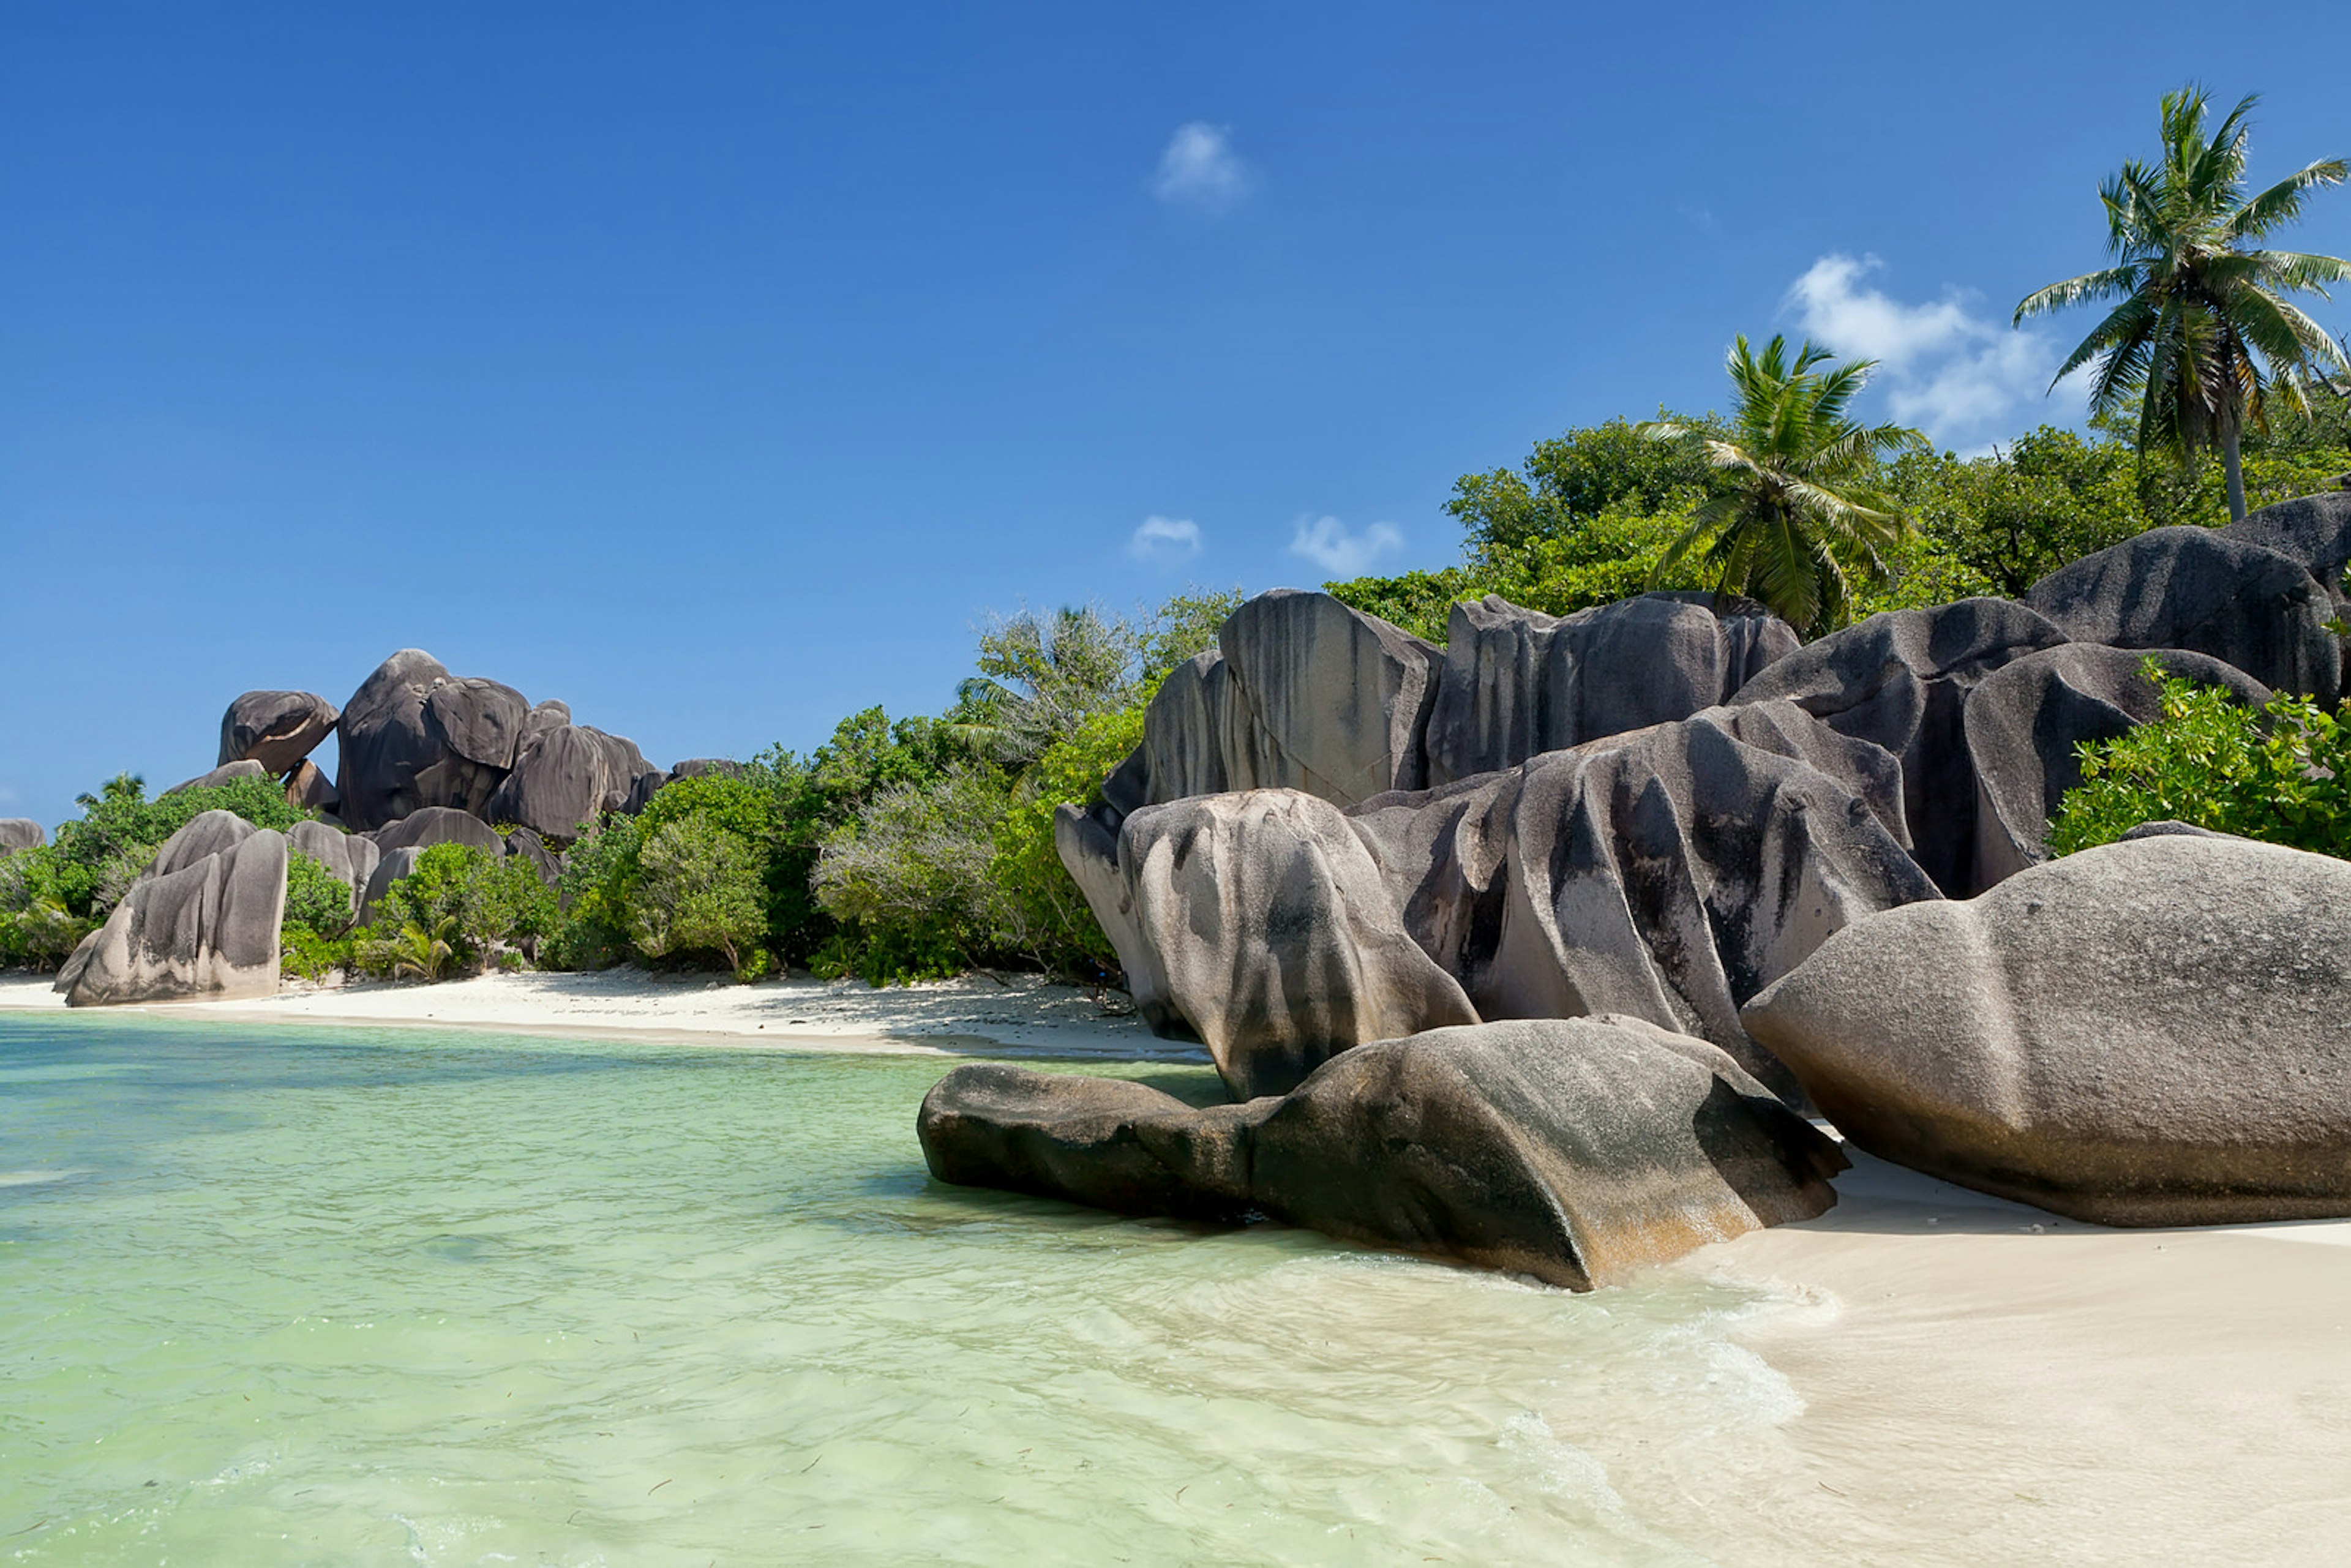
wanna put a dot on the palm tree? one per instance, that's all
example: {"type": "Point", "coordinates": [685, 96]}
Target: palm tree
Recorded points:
{"type": "Point", "coordinates": [1795, 516]}
{"type": "Point", "coordinates": [2202, 333]}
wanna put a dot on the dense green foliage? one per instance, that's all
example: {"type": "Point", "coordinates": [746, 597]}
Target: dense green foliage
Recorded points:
{"type": "Point", "coordinates": [54, 895]}
{"type": "Point", "coordinates": [1795, 517]}
{"type": "Point", "coordinates": [315, 937]}
{"type": "Point", "coordinates": [700, 888]}
{"type": "Point", "coordinates": [460, 907]}
{"type": "Point", "coordinates": [2282, 774]}
{"type": "Point", "coordinates": [1042, 914]}
{"type": "Point", "coordinates": [2202, 333]}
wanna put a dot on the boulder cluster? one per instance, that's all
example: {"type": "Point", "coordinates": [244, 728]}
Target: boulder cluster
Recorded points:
{"type": "Point", "coordinates": [426, 758]}
{"type": "Point", "coordinates": [1358, 867]}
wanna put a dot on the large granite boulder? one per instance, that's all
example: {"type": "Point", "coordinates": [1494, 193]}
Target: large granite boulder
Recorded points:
{"type": "Point", "coordinates": [20, 834]}
{"type": "Point", "coordinates": [1301, 693]}
{"type": "Point", "coordinates": [702, 766]}
{"type": "Point", "coordinates": [308, 789]}
{"type": "Point", "coordinates": [227, 773]}
{"type": "Point", "coordinates": [2025, 723]}
{"type": "Point", "coordinates": [415, 735]}
{"type": "Point", "coordinates": [570, 776]}
{"type": "Point", "coordinates": [2314, 530]}
{"type": "Point", "coordinates": [1516, 682]}
{"type": "Point", "coordinates": [1266, 932]}
{"type": "Point", "coordinates": [2148, 1033]}
{"type": "Point", "coordinates": [1667, 874]}
{"type": "Point", "coordinates": [276, 729]}
{"type": "Point", "coordinates": [1575, 1151]}
{"type": "Point", "coordinates": [439, 825]}
{"type": "Point", "coordinates": [203, 921]}
{"type": "Point", "coordinates": [2207, 591]}
{"type": "Point", "coordinates": [1900, 679]}
{"type": "Point", "coordinates": [350, 858]}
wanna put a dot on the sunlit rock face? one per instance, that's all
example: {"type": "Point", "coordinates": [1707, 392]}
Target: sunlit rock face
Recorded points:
{"type": "Point", "coordinates": [2152, 1033]}
{"type": "Point", "coordinates": [1576, 1150]}
{"type": "Point", "coordinates": [204, 920]}
{"type": "Point", "coordinates": [2026, 724]}
{"type": "Point", "coordinates": [2204, 590]}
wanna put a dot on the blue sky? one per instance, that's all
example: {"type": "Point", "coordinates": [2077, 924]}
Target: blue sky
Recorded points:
{"type": "Point", "coordinates": [720, 369]}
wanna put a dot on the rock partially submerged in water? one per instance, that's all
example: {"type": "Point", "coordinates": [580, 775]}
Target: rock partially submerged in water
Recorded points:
{"type": "Point", "coordinates": [1574, 1150]}
{"type": "Point", "coordinates": [203, 921]}
{"type": "Point", "coordinates": [2153, 1033]}
{"type": "Point", "coordinates": [1260, 925]}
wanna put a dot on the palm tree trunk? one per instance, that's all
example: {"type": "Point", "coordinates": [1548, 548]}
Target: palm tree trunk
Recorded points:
{"type": "Point", "coordinates": [2236, 471]}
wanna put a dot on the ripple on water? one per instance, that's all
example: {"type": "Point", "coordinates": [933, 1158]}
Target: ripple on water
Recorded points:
{"type": "Point", "coordinates": [404, 1297]}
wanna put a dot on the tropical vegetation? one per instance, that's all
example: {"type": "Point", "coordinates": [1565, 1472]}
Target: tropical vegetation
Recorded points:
{"type": "Point", "coordinates": [2281, 773]}
{"type": "Point", "coordinates": [2203, 334]}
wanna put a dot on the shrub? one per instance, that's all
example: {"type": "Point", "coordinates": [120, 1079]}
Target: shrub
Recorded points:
{"type": "Point", "coordinates": [99, 855]}
{"type": "Point", "coordinates": [592, 929]}
{"type": "Point", "coordinates": [37, 929]}
{"type": "Point", "coordinates": [1045, 917]}
{"type": "Point", "coordinates": [908, 879]}
{"type": "Point", "coordinates": [460, 906]}
{"type": "Point", "coordinates": [699, 889]}
{"type": "Point", "coordinates": [2282, 774]}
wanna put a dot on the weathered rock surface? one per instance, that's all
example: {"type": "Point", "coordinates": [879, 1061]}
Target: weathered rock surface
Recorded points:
{"type": "Point", "coordinates": [1667, 874]}
{"type": "Point", "coordinates": [439, 825]}
{"type": "Point", "coordinates": [307, 789]}
{"type": "Point", "coordinates": [2203, 590]}
{"type": "Point", "coordinates": [350, 858]}
{"type": "Point", "coordinates": [699, 767]}
{"type": "Point", "coordinates": [1900, 679]}
{"type": "Point", "coordinates": [20, 834]}
{"type": "Point", "coordinates": [2148, 1033]}
{"type": "Point", "coordinates": [1263, 927]}
{"type": "Point", "coordinates": [2024, 722]}
{"type": "Point", "coordinates": [1576, 1150]}
{"type": "Point", "coordinates": [415, 735]}
{"type": "Point", "coordinates": [227, 773]}
{"type": "Point", "coordinates": [203, 921]}
{"type": "Point", "coordinates": [276, 729]}
{"type": "Point", "coordinates": [1301, 693]}
{"type": "Point", "coordinates": [2314, 530]}
{"type": "Point", "coordinates": [1516, 682]}
{"type": "Point", "coordinates": [569, 776]}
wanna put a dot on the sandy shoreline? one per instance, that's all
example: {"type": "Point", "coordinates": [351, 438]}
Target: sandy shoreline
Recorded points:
{"type": "Point", "coordinates": [1023, 1016]}
{"type": "Point", "coordinates": [1971, 1371]}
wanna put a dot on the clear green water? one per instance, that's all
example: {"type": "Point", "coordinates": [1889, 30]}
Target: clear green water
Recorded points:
{"type": "Point", "coordinates": [337, 1295]}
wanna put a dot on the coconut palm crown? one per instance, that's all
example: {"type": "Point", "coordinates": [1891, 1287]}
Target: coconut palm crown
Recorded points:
{"type": "Point", "coordinates": [1794, 516]}
{"type": "Point", "coordinates": [2202, 333]}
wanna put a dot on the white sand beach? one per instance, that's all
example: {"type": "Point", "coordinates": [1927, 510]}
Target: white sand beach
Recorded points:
{"type": "Point", "coordinates": [2017, 1386]}
{"type": "Point", "coordinates": [1021, 1015]}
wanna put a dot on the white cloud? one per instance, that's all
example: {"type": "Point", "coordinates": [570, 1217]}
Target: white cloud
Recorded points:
{"type": "Point", "coordinates": [1200, 170]}
{"type": "Point", "coordinates": [1328, 543]}
{"type": "Point", "coordinates": [1164, 538]}
{"type": "Point", "coordinates": [1958, 376]}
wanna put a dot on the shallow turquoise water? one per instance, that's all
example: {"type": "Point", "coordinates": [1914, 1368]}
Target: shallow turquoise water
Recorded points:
{"type": "Point", "coordinates": [339, 1295]}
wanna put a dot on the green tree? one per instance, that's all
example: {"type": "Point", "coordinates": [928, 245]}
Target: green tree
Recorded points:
{"type": "Point", "coordinates": [2281, 774]}
{"type": "Point", "coordinates": [2202, 333]}
{"type": "Point", "coordinates": [1043, 915]}
{"type": "Point", "coordinates": [700, 889]}
{"type": "Point", "coordinates": [476, 904]}
{"type": "Point", "coordinates": [908, 878]}
{"type": "Point", "coordinates": [1795, 517]}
